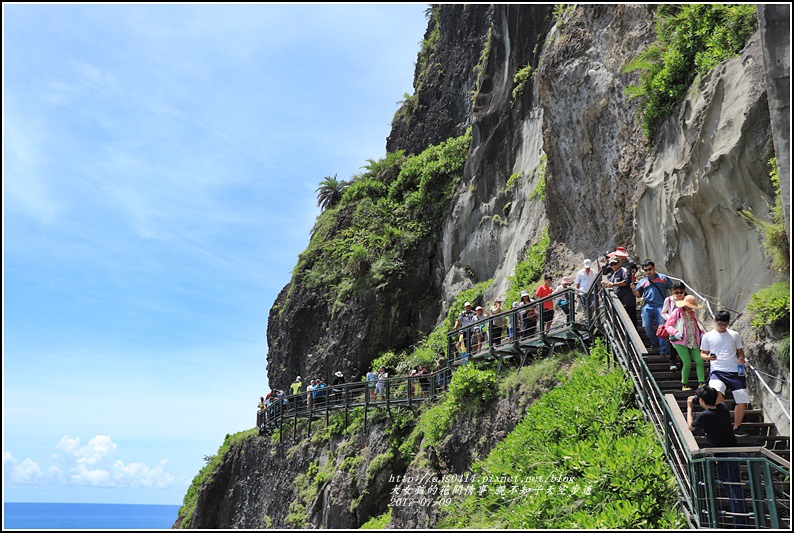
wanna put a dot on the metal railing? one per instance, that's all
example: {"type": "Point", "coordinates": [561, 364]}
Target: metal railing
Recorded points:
{"type": "Point", "coordinates": [321, 403]}
{"type": "Point", "coordinates": [513, 334]}
{"type": "Point", "coordinates": [725, 487]}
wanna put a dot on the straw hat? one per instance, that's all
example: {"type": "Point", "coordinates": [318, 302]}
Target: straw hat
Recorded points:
{"type": "Point", "coordinates": [689, 301]}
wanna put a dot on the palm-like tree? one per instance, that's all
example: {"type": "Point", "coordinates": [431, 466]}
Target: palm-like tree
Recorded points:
{"type": "Point", "coordinates": [329, 192]}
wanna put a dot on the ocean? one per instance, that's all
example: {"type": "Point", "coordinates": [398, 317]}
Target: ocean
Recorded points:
{"type": "Point", "coordinates": [87, 516]}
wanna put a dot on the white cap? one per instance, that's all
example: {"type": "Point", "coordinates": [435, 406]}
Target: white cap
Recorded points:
{"type": "Point", "coordinates": [587, 263]}
{"type": "Point", "coordinates": [467, 304]}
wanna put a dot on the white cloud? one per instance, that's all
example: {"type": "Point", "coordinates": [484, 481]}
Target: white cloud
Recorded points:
{"type": "Point", "coordinates": [28, 189]}
{"type": "Point", "coordinates": [91, 464]}
{"type": "Point", "coordinates": [27, 472]}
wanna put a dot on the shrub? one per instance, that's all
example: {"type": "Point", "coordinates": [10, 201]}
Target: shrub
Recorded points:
{"type": "Point", "coordinates": [771, 305]}
{"type": "Point", "coordinates": [529, 270]}
{"type": "Point", "coordinates": [364, 238]}
{"type": "Point", "coordinates": [775, 238]}
{"type": "Point", "coordinates": [691, 40]}
{"type": "Point", "coordinates": [378, 522]}
{"type": "Point", "coordinates": [539, 190]}
{"type": "Point", "coordinates": [521, 79]}
{"type": "Point", "coordinates": [471, 388]}
{"type": "Point", "coordinates": [212, 463]}
{"type": "Point", "coordinates": [591, 459]}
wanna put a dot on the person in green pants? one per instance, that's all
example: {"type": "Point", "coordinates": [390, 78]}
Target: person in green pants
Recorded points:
{"type": "Point", "coordinates": [685, 331]}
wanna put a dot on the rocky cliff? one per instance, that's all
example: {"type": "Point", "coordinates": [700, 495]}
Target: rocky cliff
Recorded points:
{"type": "Point", "coordinates": [561, 151]}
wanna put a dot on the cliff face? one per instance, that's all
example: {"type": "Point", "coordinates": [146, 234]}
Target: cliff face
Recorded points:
{"type": "Point", "coordinates": [572, 129]}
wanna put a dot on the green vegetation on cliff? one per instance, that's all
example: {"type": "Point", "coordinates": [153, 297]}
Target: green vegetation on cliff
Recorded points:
{"type": "Point", "coordinates": [583, 457]}
{"type": "Point", "coordinates": [365, 239]}
{"type": "Point", "coordinates": [185, 513]}
{"type": "Point", "coordinates": [691, 40]}
{"type": "Point", "coordinates": [773, 233]}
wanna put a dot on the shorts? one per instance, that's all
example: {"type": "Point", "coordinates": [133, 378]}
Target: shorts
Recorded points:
{"type": "Point", "coordinates": [730, 380]}
{"type": "Point", "coordinates": [548, 316]}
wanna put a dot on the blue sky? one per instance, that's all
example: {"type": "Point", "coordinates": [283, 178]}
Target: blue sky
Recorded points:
{"type": "Point", "coordinates": [159, 172]}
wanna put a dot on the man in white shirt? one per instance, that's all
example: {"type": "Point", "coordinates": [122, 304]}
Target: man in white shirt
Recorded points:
{"type": "Point", "coordinates": [722, 347]}
{"type": "Point", "coordinates": [584, 280]}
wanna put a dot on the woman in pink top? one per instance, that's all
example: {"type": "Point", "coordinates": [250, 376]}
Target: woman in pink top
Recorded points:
{"type": "Point", "coordinates": [685, 332]}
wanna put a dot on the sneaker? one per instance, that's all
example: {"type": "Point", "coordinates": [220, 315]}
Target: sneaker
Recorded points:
{"type": "Point", "coordinates": [673, 367]}
{"type": "Point", "coordinates": [739, 433]}
{"type": "Point", "coordinates": [686, 388]}
{"type": "Point", "coordinates": [701, 385]}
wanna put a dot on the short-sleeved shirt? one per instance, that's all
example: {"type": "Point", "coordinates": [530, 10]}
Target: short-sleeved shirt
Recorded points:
{"type": "Point", "coordinates": [725, 346]}
{"type": "Point", "coordinates": [467, 318]}
{"type": "Point", "coordinates": [718, 426]}
{"type": "Point", "coordinates": [585, 280]}
{"type": "Point", "coordinates": [545, 291]}
{"type": "Point", "coordinates": [624, 292]}
{"type": "Point", "coordinates": [654, 291]}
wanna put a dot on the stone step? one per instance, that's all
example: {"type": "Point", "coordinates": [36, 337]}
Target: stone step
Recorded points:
{"type": "Point", "coordinates": [775, 442]}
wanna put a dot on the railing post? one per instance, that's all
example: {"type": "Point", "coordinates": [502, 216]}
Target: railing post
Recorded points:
{"type": "Point", "coordinates": [769, 485]}
{"type": "Point", "coordinates": [298, 399]}
{"type": "Point", "coordinates": [311, 415]}
{"type": "Point", "coordinates": [347, 403]}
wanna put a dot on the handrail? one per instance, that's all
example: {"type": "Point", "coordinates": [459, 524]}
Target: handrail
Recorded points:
{"type": "Point", "coordinates": [695, 469]}
{"type": "Point", "coordinates": [775, 395]}
{"type": "Point", "coordinates": [513, 336]}
{"type": "Point", "coordinates": [694, 293]}
{"type": "Point", "coordinates": [351, 395]}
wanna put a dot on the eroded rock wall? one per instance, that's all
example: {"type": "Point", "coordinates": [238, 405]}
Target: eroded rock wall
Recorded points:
{"type": "Point", "coordinates": [709, 163]}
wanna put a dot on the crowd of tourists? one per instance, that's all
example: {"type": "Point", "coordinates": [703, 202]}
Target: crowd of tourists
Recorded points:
{"type": "Point", "coordinates": [667, 312]}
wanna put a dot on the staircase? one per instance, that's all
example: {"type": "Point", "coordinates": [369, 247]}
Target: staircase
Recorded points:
{"type": "Point", "coordinates": [759, 432]}
{"type": "Point", "coordinates": [761, 498]}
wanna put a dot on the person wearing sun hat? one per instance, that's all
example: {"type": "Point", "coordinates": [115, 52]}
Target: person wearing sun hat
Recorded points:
{"type": "Point", "coordinates": [685, 335]}
{"type": "Point", "coordinates": [497, 324]}
{"type": "Point", "coordinates": [467, 317]}
{"type": "Point", "coordinates": [619, 279]}
{"type": "Point", "coordinates": [339, 378]}
{"type": "Point", "coordinates": [584, 280]}
{"type": "Point", "coordinates": [529, 316]}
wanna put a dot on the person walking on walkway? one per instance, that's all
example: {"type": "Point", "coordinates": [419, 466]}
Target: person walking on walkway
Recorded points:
{"type": "Point", "coordinates": [685, 332]}
{"type": "Point", "coordinates": [679, 293]}
{"type": "Point", "coordinates": [562, 301]}
{"type": "Point", "coordinates": [466, 318]}
{"type": "Point", "coordinates": [498, 325]}
{"type": "Point", "coordinates": [653, 287]}
{"type": "Point", "coordinates": [548, 306]}
{"type": "Point", "coordinates": [723, 347]}
{"type": "Point", "coordinates": [715, 420]}
{"type": "Point", "coordinates": [583, 281]}
{"type": "Point", "coordinates": [372, 378]}
{"type": "Point", "coordinates": [619, 280]}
